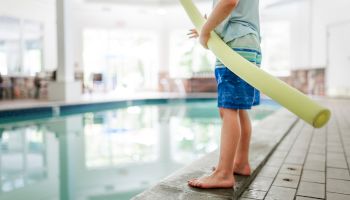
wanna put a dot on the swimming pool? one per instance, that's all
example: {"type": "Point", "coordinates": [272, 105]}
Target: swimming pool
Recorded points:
{"type": "Point", "coordinates": [106, 154]}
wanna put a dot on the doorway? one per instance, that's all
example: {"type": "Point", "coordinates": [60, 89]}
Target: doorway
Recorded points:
{"type": "Point", "coordinates": [338, 69]}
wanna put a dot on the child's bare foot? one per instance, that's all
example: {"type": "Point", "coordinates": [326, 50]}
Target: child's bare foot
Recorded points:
{"type": "Point", "coordinates": [215, 180]}
{"type": "Point", "coordinates": [243, 170]}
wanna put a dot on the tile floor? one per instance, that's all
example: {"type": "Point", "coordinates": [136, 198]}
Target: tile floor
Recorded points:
{"type": "Point", "coordinates": [310, 163]}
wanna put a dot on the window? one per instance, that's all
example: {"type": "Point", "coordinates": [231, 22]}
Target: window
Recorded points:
{"type": "Point", "coordinates": [127, 60]}
{"type": "Point", "coordinates": [20, 46]}
{"type": "Point", "coordinates": [33, 45]}
{"type": "Point", "coordinates": [10, 59]}
{"type": "Point", "coordinates": [188, 57]}
{"type": "Point", "coordinates": [276, 47]}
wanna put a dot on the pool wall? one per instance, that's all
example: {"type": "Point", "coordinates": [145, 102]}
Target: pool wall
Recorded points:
{"type": "Point", "coordinates": [56, 110]}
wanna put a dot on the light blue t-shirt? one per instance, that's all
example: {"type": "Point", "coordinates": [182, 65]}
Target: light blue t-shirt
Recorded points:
{"type": "Point", "coordinates": [243, 20]}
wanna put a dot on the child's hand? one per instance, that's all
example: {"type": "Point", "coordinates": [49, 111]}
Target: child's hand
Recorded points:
{"type": "Point", "coordinates": [193, 33]}
{"type": "Point", "coordinates": [204, 37]}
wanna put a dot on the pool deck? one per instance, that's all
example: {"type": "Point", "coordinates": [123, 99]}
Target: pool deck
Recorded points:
{"type": "Point", "coordinates": [310, 163]}
{"type": "Point", "coordinates": [290, 160]}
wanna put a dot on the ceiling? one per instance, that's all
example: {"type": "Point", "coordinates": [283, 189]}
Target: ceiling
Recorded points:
{"type": "Point", "coordinates": [141, 2]}
{"type": "Point", "coordinates": [264, 3]}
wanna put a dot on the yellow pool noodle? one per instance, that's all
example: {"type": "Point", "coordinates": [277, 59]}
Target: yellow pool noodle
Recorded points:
{"type": "Point", "coordinates": [292, 99]}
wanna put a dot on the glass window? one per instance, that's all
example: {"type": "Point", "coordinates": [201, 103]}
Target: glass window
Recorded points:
{"type": "Point", "coordinates": [20, 46]}
{"type": "Point", "coordinates": [276, 47]}
{"type": "Point", "coordinates": [10, 46]}
{"type": "Point", "coordinates": [127, 60]}
{"type": "Point", "coordinates": [33, 47]}
{"type": "Point", "coordinates": [187, 56]}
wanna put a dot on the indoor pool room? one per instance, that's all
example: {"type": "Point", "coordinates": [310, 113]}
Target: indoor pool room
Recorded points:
{"type": "Point", "coordinates": [174, 100]}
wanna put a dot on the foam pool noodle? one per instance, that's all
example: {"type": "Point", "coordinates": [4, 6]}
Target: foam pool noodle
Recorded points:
{"type": "Point", "coordinates": [287, 96]}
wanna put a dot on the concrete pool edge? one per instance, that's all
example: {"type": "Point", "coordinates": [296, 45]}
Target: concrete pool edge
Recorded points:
{"type": "Point", "coordinates": [52, 109]}
{"type": "Point", "coordinates": [267, 135]}
{"type": "Point", "coordinates": [9, 105]}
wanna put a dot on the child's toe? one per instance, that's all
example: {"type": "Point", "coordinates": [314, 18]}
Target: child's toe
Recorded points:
{"type": "Point", "coordinates": [192, 182]}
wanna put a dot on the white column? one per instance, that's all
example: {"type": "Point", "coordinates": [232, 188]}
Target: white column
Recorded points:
{"type": "Point", "coordinates": [65, 70]}
{"type": "Point", "coordinates": [68, 131]}
{"type": "Point", "coordinates": [65, 88]}
{"type": "Point", "coordinates": [164, 55]}
{"type": "Point", "coordinates": [164, 139]}
{"type": "Point", "coordinates": [164, 49]}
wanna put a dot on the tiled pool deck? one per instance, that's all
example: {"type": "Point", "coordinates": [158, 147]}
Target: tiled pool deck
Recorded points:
{"type": "Point", "coordinates": [307, 164]}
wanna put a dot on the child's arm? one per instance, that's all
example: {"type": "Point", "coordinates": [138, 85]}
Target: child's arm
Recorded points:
{"type": "Point", "coordinates": [221, 11]}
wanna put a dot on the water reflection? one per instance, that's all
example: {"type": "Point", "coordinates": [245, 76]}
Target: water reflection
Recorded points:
{"type": "Point", "coordinates": [104, 155]}
{"type": "Point", "coordinates": [121, 137]}
{"type": "Point", "coordinates": [23, 157]}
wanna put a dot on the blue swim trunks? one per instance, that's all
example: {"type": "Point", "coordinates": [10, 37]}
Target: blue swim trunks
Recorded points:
{"type": "Point", "coordinates": [234, 92]}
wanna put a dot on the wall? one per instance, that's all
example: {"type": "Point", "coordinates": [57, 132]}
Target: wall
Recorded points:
{"type": "Point", "coordinates": [311, 22]}
{"type": "Point", "coordinates": [296, 14]}
{"type": "Point", "coordinates": [339, 61]}
{"type": "Point", "coordinates": [325, 13]}
{"type": "Point", "coordinates": [325, 17]}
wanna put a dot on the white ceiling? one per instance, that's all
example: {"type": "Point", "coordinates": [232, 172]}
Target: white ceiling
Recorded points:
{"type": "Point", "coordinates": [264, 3]}
{"type": "Point", "coordinates": [141, 2]}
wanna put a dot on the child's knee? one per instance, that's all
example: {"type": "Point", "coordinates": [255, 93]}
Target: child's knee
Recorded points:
{"type": "Point", "coordinates": [226, 111]}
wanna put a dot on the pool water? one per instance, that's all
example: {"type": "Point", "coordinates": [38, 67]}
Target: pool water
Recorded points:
{"type": "Point", "coordinates": [111, 154]}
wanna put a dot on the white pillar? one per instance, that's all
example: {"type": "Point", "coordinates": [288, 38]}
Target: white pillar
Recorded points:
{"type": "Point", "coordinates": [164, 56]}
{"type": "Point", "coordinates": [164, 49]}
{"type": "Point", "coordinates": [68, 132]}
{"type": "Point", "coordinates": [65, 88]}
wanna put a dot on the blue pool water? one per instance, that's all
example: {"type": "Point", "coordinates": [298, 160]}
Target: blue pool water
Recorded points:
{"type": "Point", "coordinates": [109, 154]}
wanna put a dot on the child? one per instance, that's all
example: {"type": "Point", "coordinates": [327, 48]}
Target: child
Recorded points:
{"type": "Point", "coordinates": [237, 23]}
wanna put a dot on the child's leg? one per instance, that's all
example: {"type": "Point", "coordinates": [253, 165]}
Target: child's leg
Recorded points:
{"type": "Point", "coordinates": [222, 177]}
{"type": "Point", "coordinates": [241, 163]}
